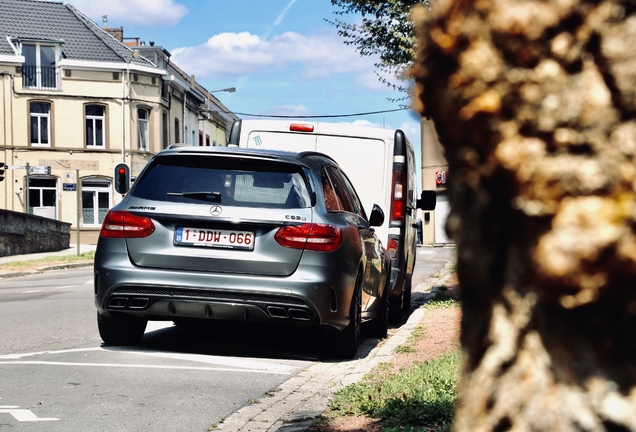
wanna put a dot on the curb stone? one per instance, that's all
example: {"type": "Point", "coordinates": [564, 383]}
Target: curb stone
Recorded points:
{"type": "Point", "coordinates": [299, 401]}
{"type": "Point", "coordinates": [46, 268]}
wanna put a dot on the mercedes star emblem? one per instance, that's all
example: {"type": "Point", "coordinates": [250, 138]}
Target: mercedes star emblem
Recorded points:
{"type": "Point", "coordinates": [215, 210]}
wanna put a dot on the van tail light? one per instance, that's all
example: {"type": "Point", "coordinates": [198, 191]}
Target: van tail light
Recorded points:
{"type": "Point", "coordinates": [392, 247]}
{"type": "Point", "coordinates": [398, 197]}
{"type": "Point", "coordinates": [123, 224]}
{"type": "Point", "coordinates": [316, 237]}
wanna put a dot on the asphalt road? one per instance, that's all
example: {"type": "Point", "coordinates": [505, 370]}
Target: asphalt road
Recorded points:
{"type": "Point", "coordinates": [56, 375]}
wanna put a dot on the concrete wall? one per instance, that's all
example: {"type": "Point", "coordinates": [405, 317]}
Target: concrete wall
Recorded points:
{"type": "Point", "coordinates": [21, 233]}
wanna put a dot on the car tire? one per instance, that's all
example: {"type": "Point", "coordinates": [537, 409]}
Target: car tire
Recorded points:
{"type": "Point", "coordinates": [121, 330]}
{"type": "Point", "coordinates": [406, 301]}
{"type": "Point", "coordinates": [380, 324]}
{"type": "Point", "coordinates": [395, 308]}
{"type": "Point", "coordinates": [348, 340]}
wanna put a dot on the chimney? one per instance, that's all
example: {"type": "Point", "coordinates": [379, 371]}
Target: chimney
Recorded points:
{"type": "Point", "coordinates": [117, 33]}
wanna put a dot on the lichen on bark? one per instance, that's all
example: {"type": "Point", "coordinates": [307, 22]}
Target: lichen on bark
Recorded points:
{"type": "Point", "coordinates": [534, 102]}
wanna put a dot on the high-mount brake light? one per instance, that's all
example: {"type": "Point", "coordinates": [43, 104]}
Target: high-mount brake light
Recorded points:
{"type": "Point", "coordinates": [315, 237]}
{"type": "Point", "coordinates": [123, 224]}
{"type": "Point", "coordinates": [398, 197]}
{"type": "Point", "coordinates": [297, 127]}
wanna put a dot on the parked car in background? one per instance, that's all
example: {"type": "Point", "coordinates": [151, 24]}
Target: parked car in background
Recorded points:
{"type": "Point", "coordinates": [381, 166]}
{"type": "Point", "coordinates": [242, 235]}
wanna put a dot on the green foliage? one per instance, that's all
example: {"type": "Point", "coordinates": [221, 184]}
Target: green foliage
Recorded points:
{"type": "Point", "coordinates": [424, 394]}
{"type": "Point", "coordinates": [442, 300]}
{"type": "Point", "coordinates": [385, 30]}
{"type": "Point", "coordinates": [404, 349]}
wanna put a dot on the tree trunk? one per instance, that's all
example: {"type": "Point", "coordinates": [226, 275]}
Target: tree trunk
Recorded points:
{"type": "Point", "coordinates": [535, 104]}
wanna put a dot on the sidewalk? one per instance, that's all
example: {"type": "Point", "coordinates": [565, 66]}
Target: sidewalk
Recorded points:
{"type": "Point", "coordinates": [300, 400]}
{"type": "Point", "coordinates": [72, 250]}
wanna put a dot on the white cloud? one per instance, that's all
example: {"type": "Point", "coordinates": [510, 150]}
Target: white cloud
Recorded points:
{"type": "Point", "coordinates": [157, 13]}
{"type": "Point", "coordinates": [320, 55]}
{"type": "Point", "coordinates": [288, 110]}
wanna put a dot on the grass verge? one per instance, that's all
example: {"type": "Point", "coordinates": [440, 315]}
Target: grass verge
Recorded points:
{"type": "Point", "coordinates": [63, 259]}
{"type": "Point", "coordinates": [419, 397]}
{"type": "Point", "coordinates": [422, 395]}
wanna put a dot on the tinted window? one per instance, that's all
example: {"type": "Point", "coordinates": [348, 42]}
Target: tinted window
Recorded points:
{"type": "Point", "coordinates": [332, 200]}
{"type": "Point", "coordinates": [358, 208]}
{"type": "Point", "coordinates": [230, 182]}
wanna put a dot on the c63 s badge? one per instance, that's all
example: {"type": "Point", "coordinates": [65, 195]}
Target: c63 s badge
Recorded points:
{"type": "Point", "coordinates": [296, 218]}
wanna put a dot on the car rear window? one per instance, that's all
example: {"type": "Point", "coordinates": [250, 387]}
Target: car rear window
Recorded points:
{"type": "Point", "coordinates": [239, 182]}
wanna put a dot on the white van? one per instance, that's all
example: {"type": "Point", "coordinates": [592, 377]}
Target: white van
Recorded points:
{"type": "Point", "coordinates": [381, 165]}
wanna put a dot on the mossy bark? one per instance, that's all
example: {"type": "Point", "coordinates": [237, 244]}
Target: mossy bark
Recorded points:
{"type": "Point", "coordinates": [535, 104]}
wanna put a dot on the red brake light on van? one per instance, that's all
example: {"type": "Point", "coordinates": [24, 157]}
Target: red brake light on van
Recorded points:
{"type": "Point", "coordinates": [316, 237]}
{"type": "Point", "coordinates": [398, 197]}
{"type": "Point", "coordinates": [123, 224]}
{"type": "Point", "coordinates": [297, 127]}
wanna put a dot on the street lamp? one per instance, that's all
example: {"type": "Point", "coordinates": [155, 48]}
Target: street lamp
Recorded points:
{"type": "Point", "coordinates": [229, 90]}
{"type": "Point", "coordinates": [133, 55]}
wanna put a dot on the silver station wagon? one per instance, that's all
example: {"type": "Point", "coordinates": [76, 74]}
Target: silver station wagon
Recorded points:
{"type": "Point", "coordinates": [209, 233]}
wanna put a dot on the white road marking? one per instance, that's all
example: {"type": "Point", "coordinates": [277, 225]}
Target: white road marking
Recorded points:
{"type": "Point", "coordinates": [52, 288]}
{"type": "Point", "coordinates": [23, 415]}
{"type": "Point", "coordinates": [145, 366]}
{"type": "Point", "coordinates": [230, 363]}
{"type": "Point", "coordinates": [425, 252]}
{"type": "Point", "coordinates": [158, 325]}
{"type": "Point", "coordinates": [89, 282]}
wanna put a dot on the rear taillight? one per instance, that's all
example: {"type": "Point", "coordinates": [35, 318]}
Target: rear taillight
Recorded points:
{"type": "Point", "coordinates": [392, 247]}
{"type": "Point", "coordinates": [123, 224]}
{"type": "Point", "coordinates": [316, 237]}
{"type": "Point", "coordinates": [398, 198]}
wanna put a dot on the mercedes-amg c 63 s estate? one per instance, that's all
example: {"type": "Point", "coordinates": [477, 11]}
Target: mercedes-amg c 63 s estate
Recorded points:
{"type": "Point", "coordinates": [209, 233]}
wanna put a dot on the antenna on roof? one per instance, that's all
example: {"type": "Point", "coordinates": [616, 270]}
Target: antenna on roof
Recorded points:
{"type": "Point", "coordinates": [105, 20]}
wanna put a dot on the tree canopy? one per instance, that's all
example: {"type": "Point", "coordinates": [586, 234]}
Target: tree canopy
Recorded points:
{"type": "Point", "coordinates": [384, 30]}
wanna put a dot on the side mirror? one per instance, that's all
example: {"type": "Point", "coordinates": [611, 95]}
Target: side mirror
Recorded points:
{"type": "Point", "coordinates": [427, 200]}
{"type": "Point", "coordinates": [377, 216]}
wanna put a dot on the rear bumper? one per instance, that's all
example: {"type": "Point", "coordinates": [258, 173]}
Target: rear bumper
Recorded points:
{"type": "Point", "coordinates": [397, 282]}
{"type": "Point", "coordinates": [157, 294]}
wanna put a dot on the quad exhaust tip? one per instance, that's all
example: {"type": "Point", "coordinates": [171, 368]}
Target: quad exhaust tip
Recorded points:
{"type": "Point", "coordinates": [281, 312]}
{"type": "Point", "coordinates": [129, 303]}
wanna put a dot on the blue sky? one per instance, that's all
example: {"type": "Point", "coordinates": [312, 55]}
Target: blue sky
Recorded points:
{"type": "Point", "coordinates": [281, 55]}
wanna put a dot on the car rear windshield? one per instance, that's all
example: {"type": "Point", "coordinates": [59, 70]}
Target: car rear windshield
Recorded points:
{"type": "Point", "coordinates": [239, 182]}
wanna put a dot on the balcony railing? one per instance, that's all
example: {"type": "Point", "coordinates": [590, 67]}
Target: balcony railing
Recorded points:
{"type": "Point", "coordinates": [39, 77]}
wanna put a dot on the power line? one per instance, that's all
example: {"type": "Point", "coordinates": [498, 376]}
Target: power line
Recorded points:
{"type": "Point", "coordinates": [317, 116]}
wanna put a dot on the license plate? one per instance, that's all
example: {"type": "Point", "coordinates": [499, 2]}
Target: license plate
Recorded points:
{"type": "Point", "coordinates": [227, 239]}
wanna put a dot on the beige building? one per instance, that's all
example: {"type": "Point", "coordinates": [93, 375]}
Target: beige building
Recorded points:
{"type": "Point", "coordinates": [434, 177]}
{"type": "Point", "coordinates": [75, 101]}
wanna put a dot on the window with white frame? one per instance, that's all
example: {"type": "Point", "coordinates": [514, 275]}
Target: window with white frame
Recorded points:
{"type": "Point", "coordinates": [40, 127]}
{"type": "Point", "coordinates": [96, 199]}
{"type": "Point", "coordinates": [143, 115]}
{"type": "Point", "coordinates": [95, 122]}
{"type": "Point", "coordinates": [43, 197]}
{"type": "Point", "coordinates": [39, 69]}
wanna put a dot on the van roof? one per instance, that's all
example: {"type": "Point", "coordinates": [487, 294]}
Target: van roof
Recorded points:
{"type": "Point", "coordinates": [326, 128]}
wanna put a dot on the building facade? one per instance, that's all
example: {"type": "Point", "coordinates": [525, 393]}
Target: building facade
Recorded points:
{"type": "Point", "coordinates": [75, 100]}
{"type": "Point", "coordinates": [434, 177]}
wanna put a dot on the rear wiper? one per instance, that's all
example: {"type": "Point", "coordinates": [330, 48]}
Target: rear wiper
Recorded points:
{"type": "Point", "coordinates": [210, 196]}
